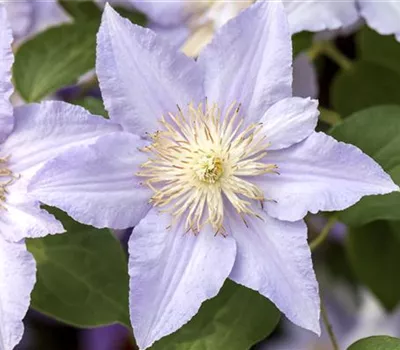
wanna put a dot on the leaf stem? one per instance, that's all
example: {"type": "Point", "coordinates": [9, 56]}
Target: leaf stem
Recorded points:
{"type": "Point", "coordinates": [329, 327]}
{"type": "Point", "coordinates": [329, 117]}
{"type": "Point", "coordinates": [324, 233]}
{"type": "Point", "coordinates": [329, 49]}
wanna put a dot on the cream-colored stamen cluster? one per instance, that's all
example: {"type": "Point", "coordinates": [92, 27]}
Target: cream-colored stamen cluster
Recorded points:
{"type": "Point", "coordinates": [200, 159]}
{"type": "Point", "coordinates": [6, 179]}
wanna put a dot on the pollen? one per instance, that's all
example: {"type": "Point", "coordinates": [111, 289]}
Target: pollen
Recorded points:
{"type": "Point", "coordinates": [202, 161]}
{"type": "Point", "coordinates": [209, 169]}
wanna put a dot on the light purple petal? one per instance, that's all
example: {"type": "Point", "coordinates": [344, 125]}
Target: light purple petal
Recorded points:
{"type": "Point", "coordinates": [383, 16]}
{"type": "Point", "coordinates": [250, 64]}
{"type": "Point", "coordinates": [141, 77]}
{"type": "Point", "coordinates": [164, 12]}
{"type": "Point", "coordinates": [273, 258]}
{"type": "Point", "coordinates": [172, 273]}
{"type": "Point", "coordinates": [42, 131]}
{"type": "Point", "coordinates": [176, 36]}
{"type": "Point", "coordinates": [104, 338]}
{"type": "Point", "coordinates": [321, 174]}
{"type": "Point", "coordinates": [24, 218]}
{"type": "Point", "coordinates": [47, 14]}
{"type": "Point", "coordinates": [96, 184]}
{"type": "Point", "coordinates": [17, 278]}
{"type": "Point", "coordinates": [6, 88]}
{"type": "Point", "coordinates": [20, 14]}
{"type": "Point", "coordinates": [305, 81]}
{"type": "Point", "coordinates": [318, 15]}
{"type": "Point", "coordinates": [289, 121]}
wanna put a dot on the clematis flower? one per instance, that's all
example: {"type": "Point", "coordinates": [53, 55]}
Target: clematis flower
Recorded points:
{"type": "Point", "coordinates": [193, 24]}
{"type": "Point", "coordinates": [28, 17]}
{"type": "Point", "coordinates": [29, 136]}
{"type": "Point", "coordinates": [349, 321]}
{"type": "Point", "coordinates": [215, 169]}
{"type": "Point", "coordinates": [383, 16]}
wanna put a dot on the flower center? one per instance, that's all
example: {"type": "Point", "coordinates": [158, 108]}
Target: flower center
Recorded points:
{"type": "Point", "coordinates": [6, 179]}
{"type": "Point", "coordinates": [209, 168]}
{"type": "Point", "coordinates": [201, 162]}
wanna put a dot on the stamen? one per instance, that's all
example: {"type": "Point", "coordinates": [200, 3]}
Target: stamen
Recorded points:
{"type": "Point", "coordinates": [7, 178]}
{"type": "Point", "coordinates": [198, 160]}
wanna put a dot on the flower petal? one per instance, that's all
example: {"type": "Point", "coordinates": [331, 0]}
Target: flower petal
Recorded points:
{"type": "Point", "coordinates": [176, 36]}
{"type": "Point", "coordinates": [17, 278]}
{"type": "Point", "coordinates": [383, 16]}
{"type": "Point", "coordinates": [96, 184]}
{"type": "Point", "coordinates": [163, 12]}
{"type": "Point", "coordinates": [24, 218]}
{"type": "Point", "coordinates": [172, 273]}
{"type": "Point", "coordinates": [250, 64]}
{"type": "Point", "coordinates": [6, 88]}
{"type": "Point", "coordinates": [47, 14]}
{"type": "Point", "coordinates": [141, 77]}
{"type": "Point", "coordinates": [290, 121]}
{"type": "Point", "coordinates": [42, 131]}
{"type": "Point", "coordinates": [318, 15]}
{"type": "Point", "coordinates": [321, 174]}
{"type": "Point", "coordinates": [274, 259]}
{"type": "Point", "coordinates": [305, 80]}
{"type": "Point", "coordinates": [20, 14]}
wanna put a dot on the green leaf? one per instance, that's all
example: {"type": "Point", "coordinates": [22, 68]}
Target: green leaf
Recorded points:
{"type": "Point", "coordinates": [55, 58]}
{"type": "Point", "coordinates": [93, 105]}
{"type": "Point", "coordinates": [81, 10]}
{"type": "Point", "coordinates": [135, 17]}
{"type": "Point", "coordinates": [377, 132]}
{"type": "Point", "coordinates": [381, 342]}
{"type": "Point", "coordinates": [82, 276]}
{"type": "Point", "coordinates": [383, 50]}
{"type": "Point", "coordinates": [374, 255]}
{"type": "Point", "coordinates": [301, 42]}
{"type": "Point", "coordinates": [328, 116]}
{"type": "Point", "coordinates": [235, 319]}
{"type": "Point", "coordinates": [364, 85]}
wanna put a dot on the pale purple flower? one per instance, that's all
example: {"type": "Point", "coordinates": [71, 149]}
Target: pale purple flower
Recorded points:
{"type": "Point", "coordinates": [194, 23]}
{"type": "Point", "coordinates": [215, 169]}
{"type": "Point", "coordinates": [381, 15]}
{"type": "Point", "coordinates": [350, 322]}
{"type": "Point", "coordinates": [29, 136]}
{"type": "Point", "coordinates": [28, 17]}
{"type": "Point", "coordinates": [191, 25]}
{"type": "Point", "coordinates": [316, 15]}
{"type": "Point", "coordinates": [112, 337]}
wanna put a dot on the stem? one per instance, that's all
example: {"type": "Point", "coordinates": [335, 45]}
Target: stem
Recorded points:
{"type": "Point", "coordinates": [335, 55]}
{"type": "Point", "coordinates": [329, 117]}
{"type": "Point", "coordinates": [328, 49]}
{"type": "Point", "coordinates": [328, 327]}
{"type": "Point", "coordinates": [324, 233]}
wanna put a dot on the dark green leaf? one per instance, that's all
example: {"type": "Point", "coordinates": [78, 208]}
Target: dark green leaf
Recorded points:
{"type": "Point", "coordinates": [54, 59]}
{"type": "Point", "coordinates": [301, 42]}
{"type": "Point", "coordinates": [93, 105]}
{"type": "Point", "coordinates": [383, 50]}
{"type": "Point", "coordinates": [236, 319]}
{"type": "Point", "coordinates": [75, 282]}
{"type": "Point", "coordinates": [135, 17]}
{"type": "Point", "coordinates": [377, 132]}
{"type": "Point", "coordinates": [374, 254]}
{"type": "Point", "coordinates": [381, 342]}
{"type": "Point", "coordinates": [81, 10]}
{"type": "Point", "coordinates": [364, 85]}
